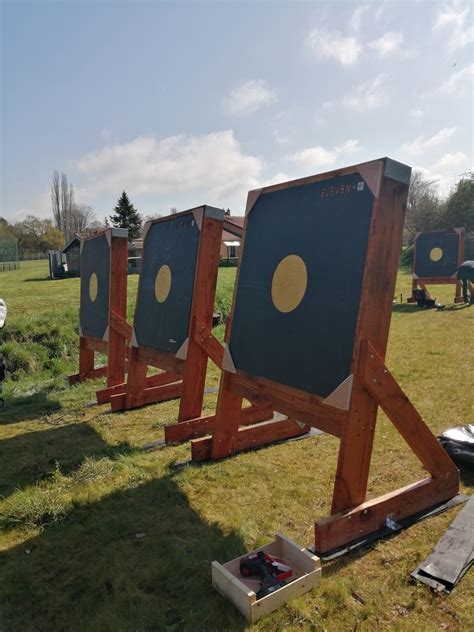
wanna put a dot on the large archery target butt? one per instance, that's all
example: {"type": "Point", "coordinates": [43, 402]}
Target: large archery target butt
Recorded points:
{"type": "Point", "coordinates": [95, 273]}
{"type": "Point", "coordinates": [166, 286]}
{"type": "Point", "coordinates": [300, 281]}
{"type": "Point", "coordinates": [436, 254]}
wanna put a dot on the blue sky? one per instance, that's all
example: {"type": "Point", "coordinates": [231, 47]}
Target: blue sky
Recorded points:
{"type": "Point", "coordinates": [184, 103]}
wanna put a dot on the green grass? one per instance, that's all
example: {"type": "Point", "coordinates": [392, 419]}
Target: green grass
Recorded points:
{"type": "Point", "coordinates": [97, 533]}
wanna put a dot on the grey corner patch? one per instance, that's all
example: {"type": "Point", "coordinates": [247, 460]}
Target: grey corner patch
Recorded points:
{"type": "Point", "coordinates": [252, 197]}
{"type": "Point", "coordinates": [371, 172]}
{"type": "Point", "coordinates": [198, 215]}
{"type": "Point", "coordinates": [182, 352]}
{"type": "Point", "coordinates": [397, 171]}
{"type": "Point", "coordinates": [227, 361]}
{"type": "Point", "coordinates": [81, 331]}
{"type": "Point", "coordinates": [146, 228]}
{"type": "Point", "coordinates": [105, 337]}
{"type": "Point", "coordinates": [415, 276]}
{"type": "Point", "coordinates": [119, 232]}
{"type": "Point", "coordinates": [81, 246]}
{"type": "Point", "coordinates": [341, 396]}
{"type": "Point", "coordinates": [213, 212]}
{"type": "Point", "coordinates": [134, 338]}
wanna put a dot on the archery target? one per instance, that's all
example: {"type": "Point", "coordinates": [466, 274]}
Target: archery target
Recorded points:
{"type": "Point", "coordinates": [166, 286]}
{"type": "Point", "coordinates": [95, 270]}
{"type": "Point", "coordinates": [436, 254]}
{"type": "Point", "coordinates": [299, 285]}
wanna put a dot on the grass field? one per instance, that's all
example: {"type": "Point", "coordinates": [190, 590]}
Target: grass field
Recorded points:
{"type": "Point", "coordinates": [97, 533]}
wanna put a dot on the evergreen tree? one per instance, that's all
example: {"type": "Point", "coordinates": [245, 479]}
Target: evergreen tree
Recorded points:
{"type": "Point", "coordinates": [125, 216]}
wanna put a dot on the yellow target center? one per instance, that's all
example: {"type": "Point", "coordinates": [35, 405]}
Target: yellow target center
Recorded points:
{"type": "Point", "coordinates": [93, 287]}
{"type": "Point", "coordinates": [436, 254]}
{"type": "Point", "coordinates": [163, 283]}
{"type": "Point", "coordinates": [289, 283]}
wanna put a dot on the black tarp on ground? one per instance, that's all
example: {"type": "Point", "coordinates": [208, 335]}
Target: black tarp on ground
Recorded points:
{"type": "Point", "coordinates": [459, 444]}
{"type": "Point", "coordinates": [445, 240]}
{"type": "Point", "coordinates": [326, 224]}
{"type": "Point", "coordinates": [95, 259]}
{"type": "Point", "coordinates": [452, 556]}
{"type": "Point", "coordinates": [173, 243]}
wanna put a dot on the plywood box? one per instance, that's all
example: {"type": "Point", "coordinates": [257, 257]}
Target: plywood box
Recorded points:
{"type": "Point", "coordinates": [227, 579]}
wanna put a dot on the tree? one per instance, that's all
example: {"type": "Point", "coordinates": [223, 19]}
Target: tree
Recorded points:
{"type": "Point", "coordinates": [37, 234]}
{"type": "Point", "coordinates": [423, 208]}
{"type": "Point", "coordinates": [125, 216]}
{"type": "Point", "coordinates": [459, 208]}
{"type": "Point", "coordinates": [62, 202]}
{"type": "Point", "coordinates": [82, 217]}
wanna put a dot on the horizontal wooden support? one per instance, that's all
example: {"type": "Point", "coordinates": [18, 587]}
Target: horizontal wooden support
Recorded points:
{"type": "Point", "coordinates": [387, 393]}
{"type": "Point", "coordinates": [96, 344]}
{"type": "Point", "coordinates": [201, 426]}
{"type": "Point", "coordinates": [160, 360]}
{"type": "Point", "coordinates": [436, 281]}
{"type": "Point", "coordinates": [152, 395]}
{"type": "Point", "coordinates": [104, 394]}
{"type": "Point", "coordinates": [344, 527]}
{"type": "Point", "coordinates": [208, 342]}
{"type": "Point", "coordinates": [254, 436]}
{"type": "Point", "coordinates": [291, 402]}
{"type": "Point", "coordinates": [100, 371]}
{"type": "Point", "coordinates": [120, 325]}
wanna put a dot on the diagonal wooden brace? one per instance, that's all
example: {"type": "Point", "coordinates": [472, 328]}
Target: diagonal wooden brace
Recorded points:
{"type": "Point", "coordinates": [208, 342]}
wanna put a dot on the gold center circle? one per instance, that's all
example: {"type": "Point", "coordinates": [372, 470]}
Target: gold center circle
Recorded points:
{"type": "Point", "coordinates": [436, 254]}
{"type": "Point", "coordinates": [163, 283]}
{"type": "Point", "coordinates": [289, 283]}
{"type": "Point", "coordinates": [93, 287]}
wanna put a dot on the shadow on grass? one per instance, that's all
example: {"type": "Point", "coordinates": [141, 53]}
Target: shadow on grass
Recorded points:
{"type": "Point", "coordinates": [138, 560]}
{"type": "Point", "coordinates": [407, 308]}
{"type": "Point", "coordinates": [35, 279]}
{"type": "Point", "coordinates": [31, 457]}
{"type": "Point", "coordinates": [27, 406]}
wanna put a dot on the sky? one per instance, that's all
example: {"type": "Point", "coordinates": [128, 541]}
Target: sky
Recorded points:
{"type": "Point", "coordinates": [185, 103]}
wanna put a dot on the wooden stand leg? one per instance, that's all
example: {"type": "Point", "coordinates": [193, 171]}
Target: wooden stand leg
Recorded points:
{"type": "Point", "coordinates": [136, 381]}
{"type": "Point", "coordinates": [458, 298]}
{"type": "Point", "coordinates": [194, 379]}
{"type": "Point", "coordinates": [228, 414]}
{"type": "Point", "coordinates": [413, 288]}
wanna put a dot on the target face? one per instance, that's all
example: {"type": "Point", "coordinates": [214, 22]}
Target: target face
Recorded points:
{"type": "Point", "coordinates": [436, 254]}
{"type": "Point", "coordinates": [95, 270]}
{"type": "Point", "coordinates": [166, 286]}
{"type": "Point", "coordinates": [299, 284]}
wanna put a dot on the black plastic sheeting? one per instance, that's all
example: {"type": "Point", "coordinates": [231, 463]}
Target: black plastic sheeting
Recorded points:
{"type": "Point", "coordinates": [459, 444]}
{"type": "Point", "coordinates": [452, 556]}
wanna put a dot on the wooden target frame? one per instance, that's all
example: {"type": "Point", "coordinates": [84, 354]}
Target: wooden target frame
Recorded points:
{"type": "Point", "coordinates": [114, 337]}
{"type": "Point", "coordinates": [183, 373]}
{"type": "Point", "coordinates": [349, 413]}
{"type": "Point", "coordinates": [421, 281]}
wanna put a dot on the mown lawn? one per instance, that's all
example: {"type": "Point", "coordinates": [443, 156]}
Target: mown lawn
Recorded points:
{"type": "Point", "coordinates": [98, 533]}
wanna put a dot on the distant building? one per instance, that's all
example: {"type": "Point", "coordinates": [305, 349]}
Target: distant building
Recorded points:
{"type": "Point", "coordinates": [72, 255]}
{"type": "Point", "coordinates": [231, 239]}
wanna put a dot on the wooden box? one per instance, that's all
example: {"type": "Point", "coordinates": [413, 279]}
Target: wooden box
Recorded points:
{"type": "Point", "coordinates": [227, 579]}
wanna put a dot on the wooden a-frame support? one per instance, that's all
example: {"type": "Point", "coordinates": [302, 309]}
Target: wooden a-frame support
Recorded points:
{"type": "Point", "coordinates": [116, 338]}
{"type": "Point", "coordinates": [183, 377]}
{"type": "Point", "coordinates": [422, 282]}
{"type": "Point", "coordinates": [371, 385]}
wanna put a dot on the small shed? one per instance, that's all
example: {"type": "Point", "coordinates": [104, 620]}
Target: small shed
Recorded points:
{"type": "Point", "coordinates": [72, 254]}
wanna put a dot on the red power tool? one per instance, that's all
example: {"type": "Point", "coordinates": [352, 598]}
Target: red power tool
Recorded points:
{"type": "Point", "coordinates": [272, 571]}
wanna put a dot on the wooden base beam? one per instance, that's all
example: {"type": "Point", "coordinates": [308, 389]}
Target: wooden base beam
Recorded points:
{"type": "Point", "coordinates": [202, 426]}
{"type": "Point", "coordinates": [104, 394]}
{"type": "Point", "coordinates": [154, 395]}
{"type": "Point", "coordinates": [344, 527]}
{"type": "Point", "coordinates": [254, 436]}
{"type": "Point", "coordinates": [100, 371]}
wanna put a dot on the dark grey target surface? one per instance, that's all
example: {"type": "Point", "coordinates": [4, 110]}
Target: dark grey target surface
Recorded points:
{"type": "Point", "coordinates": [325, 225]}
{"type": "Point", "coordinates": [437, 254]}
{"type": "Point", "coordinates": [95, 271]}
{"type": "Point", "coordinates": [161, 318]}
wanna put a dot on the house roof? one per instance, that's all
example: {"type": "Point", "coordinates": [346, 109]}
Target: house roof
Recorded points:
{"type": "Point", "coordinates": [233, 228]}
{"type": "Point", "coordinates": [71, 243]}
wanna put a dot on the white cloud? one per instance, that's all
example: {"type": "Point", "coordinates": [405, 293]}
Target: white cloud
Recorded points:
{"type": "Point", "coordinates": [279, 138]}
{"type": "Point", "coordinates": [213, 165]}
{"type": "Point", "coordinates": [370, 95]}
{"type": "Point", "coordinates": [356, 18]}
{"type": "Point", "coordinates": [450, 161]}
{"type": "Point", "coordinates": [417, 113]}
{"type": "Point", "coordinates": [325, 44]}
{"type": "Point", "coordinates": [388, 43]}
{"type": "Point", "coordinates": [457, 82]}
{"type": "Point", "coordinates": [315, 157]}
{"type": "Point", "coordinates": [455, 19]}
{"type": "Point", "coordinates": [422, 144]}
{"type": "Point", "coordinates": [248, 97]}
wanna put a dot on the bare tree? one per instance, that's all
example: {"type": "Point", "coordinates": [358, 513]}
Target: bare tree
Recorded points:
{"type": "Point", "coordinates": [423, 208]}
{"type": "Point", "coordinates": [62, 202]}
{"type": "Point", "coordinates": [81, 217]}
